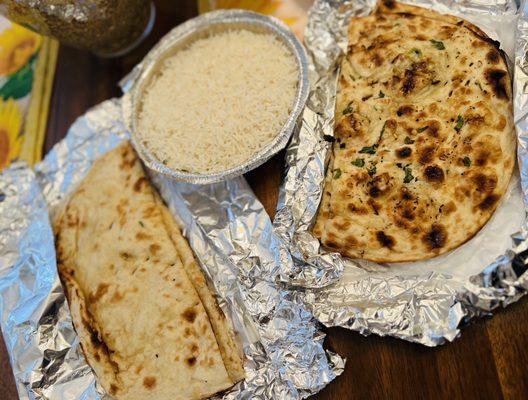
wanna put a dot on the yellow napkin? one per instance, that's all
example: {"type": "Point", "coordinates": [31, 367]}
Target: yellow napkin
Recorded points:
{"type": "Point", "coordinates": [293, 12]}
{"type": "Point", "coordinates": [27, 67]}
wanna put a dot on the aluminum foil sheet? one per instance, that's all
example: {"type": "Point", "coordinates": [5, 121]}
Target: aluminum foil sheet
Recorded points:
{"type": "Point", "coordinates": [231, 236]}
{"type": "Point", "coordinates": [181, 37]}
{"type": "Point", "coordinates": [425, 302]}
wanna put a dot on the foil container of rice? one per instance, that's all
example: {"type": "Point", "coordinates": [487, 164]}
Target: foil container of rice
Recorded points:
{"type": "Point", "coordinates": [180, 38]}
{"type": "Point", "coordinates": [428, 301]}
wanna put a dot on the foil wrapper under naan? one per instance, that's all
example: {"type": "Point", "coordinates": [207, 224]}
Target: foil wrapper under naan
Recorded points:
{"type": "Point", "coordinates": [423, 301]}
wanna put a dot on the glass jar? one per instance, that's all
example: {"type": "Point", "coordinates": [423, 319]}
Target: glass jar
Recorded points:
{"type": "Point", "coordinates": [108, 28]}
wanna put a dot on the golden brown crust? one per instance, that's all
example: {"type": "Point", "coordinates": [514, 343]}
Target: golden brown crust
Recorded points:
{"type": "Point", "coordinates": [227, 342]}
{"type": "Point", "coordinates": [393, 7]}
{"type": "Point", "coordinates": [424, 144]}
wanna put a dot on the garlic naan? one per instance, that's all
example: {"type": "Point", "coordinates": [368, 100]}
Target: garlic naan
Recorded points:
{"type": "Point", "coordinates": [424, 137]}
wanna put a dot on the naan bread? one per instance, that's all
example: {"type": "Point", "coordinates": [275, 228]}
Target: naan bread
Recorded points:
{"type": "Point", "coordinates": [424, 137]}
{"type": "Point", "coordinates": [146, 323]}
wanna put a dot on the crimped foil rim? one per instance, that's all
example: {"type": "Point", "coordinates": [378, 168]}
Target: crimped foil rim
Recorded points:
{"type": "Point", "coordinates": [140, 75]}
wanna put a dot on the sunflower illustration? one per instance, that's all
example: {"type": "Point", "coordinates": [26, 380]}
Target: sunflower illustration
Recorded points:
{"type": "Point", "coordinates": [17, 45]}
{"type": "Point", "coordinates": [10, 124]}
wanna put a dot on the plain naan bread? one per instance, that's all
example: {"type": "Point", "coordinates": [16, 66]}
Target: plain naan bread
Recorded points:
{"type": "Point", "coordinates": [424, 137]}
{"type": "Point", "coordinates": [145, 320]}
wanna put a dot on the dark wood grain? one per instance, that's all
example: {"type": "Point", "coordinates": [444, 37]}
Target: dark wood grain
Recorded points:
{"type": "Point", "coordinates": [490, 359]}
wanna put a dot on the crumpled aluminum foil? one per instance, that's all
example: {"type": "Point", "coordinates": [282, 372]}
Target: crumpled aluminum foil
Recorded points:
{"type": "Point", "coordinates": [231, 236]}
{"type": "Point", "coordinates": [425, 302]}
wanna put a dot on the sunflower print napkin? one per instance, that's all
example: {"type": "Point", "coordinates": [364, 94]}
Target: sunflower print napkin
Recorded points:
{"type": "Point", "coordinates": [27, 66]}
{"type": "Point", "coordinates": [293, 12]}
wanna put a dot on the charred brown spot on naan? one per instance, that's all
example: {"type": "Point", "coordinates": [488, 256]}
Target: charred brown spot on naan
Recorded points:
{"type": "Point", "coordinates": [404, 110]}
{"type": "Point", "coordinates": [406, 195]}
{"type": "Point", "coordinates": [379, 43]}
{"type": "Point", "coordinates": [128, 158]}
{"type": "Point", "coordinates": [154, 248]}
{"type": "Point", "coordinates": [101, 290]}
{"type": "Point", "coordinates": [489, 202]}
{"type": "Point", "coordinates": [380, 185]}
{"type": "Point", "coordinates": [389, 127]}
{"type": "Point", "coordinates": [350, 125]}
{"type": "Point", "coordinates": [497, 79]}
{"type": "Point", "coordinates": [342, 226]}
{"type": "Point", "coordinates": [116, 297]}
{"type": "Point", "coordinates": [390, 4]}
{"type": "Point", "coordinates": [426, 154]}
{"type": "Point", "coordinates": [140, 183]}
{"type": "Point", "coordinates": [408, 212]}
{"type": "Point", "coordinates": [377, 59]}
{"type": "Point", "coordinates": [403, 152]}
{"type": "Point", "coordinates": [125, 255]}
{"type": "Point", "coordinates": [501, 124]}
{"type": "Point", "coordinates": [416, 78]}
{"type": "Point", "coordinates": [482, 157]}
{"type": "Point", "coordinates": [475, 120]}
{"type": "Point", "coordinates": [150, 212]}
{"type": "Point", "coordinates": [447, 32]}
{"type": "Point", "coordinates": [448, 208]}
{"type": "Point", "coordinates": [189, 315]}
{"type": "Point", "coordinates": [461, 193]}
{"type": "Point", "coordinates": [385, 240]}
{"type": "Point", "coordinates": [434, 174]}
{"type": "Point", "coordinates": [351, 240]}
{"type": "Point", "coordinates": [72, 220]}
{"type": "Point", "coordinates": [357, 209]}
{"type": "Point", "coordinates": [149, 382]}
{"type": "Point", "coordinates": [143, 236]}
{"type": "Point", "coordinates": [436, 237]}
{"type": "Point", "coordinates": [432, 128]}
{"type": "Point", "coordinates": [484, 183]}
{"type": "Point", "coordinates": [493, 56]}
{"type": "Point", "coordinates": [113, 389]}
{"type": "Point", "coordinates": [376, 207]}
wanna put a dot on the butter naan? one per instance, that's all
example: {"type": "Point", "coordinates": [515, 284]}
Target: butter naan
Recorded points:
{"type": "Point", "coordinates": [424, 137]}
{"type": "Point", "coordinates": [147, 323]}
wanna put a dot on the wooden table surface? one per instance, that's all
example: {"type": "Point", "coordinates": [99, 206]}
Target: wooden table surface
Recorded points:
{"type": "Point", "coordinates": [489, 360]}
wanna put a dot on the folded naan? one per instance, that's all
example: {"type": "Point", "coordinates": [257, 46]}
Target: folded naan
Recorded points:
{"type": "Point", "coordinates": [424, 137]}
{"type": "Point", "coordinates": [146, 321]}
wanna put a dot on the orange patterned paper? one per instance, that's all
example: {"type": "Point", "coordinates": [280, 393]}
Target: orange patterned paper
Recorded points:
{"type": "Point", "coordinates": [293, 12]}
